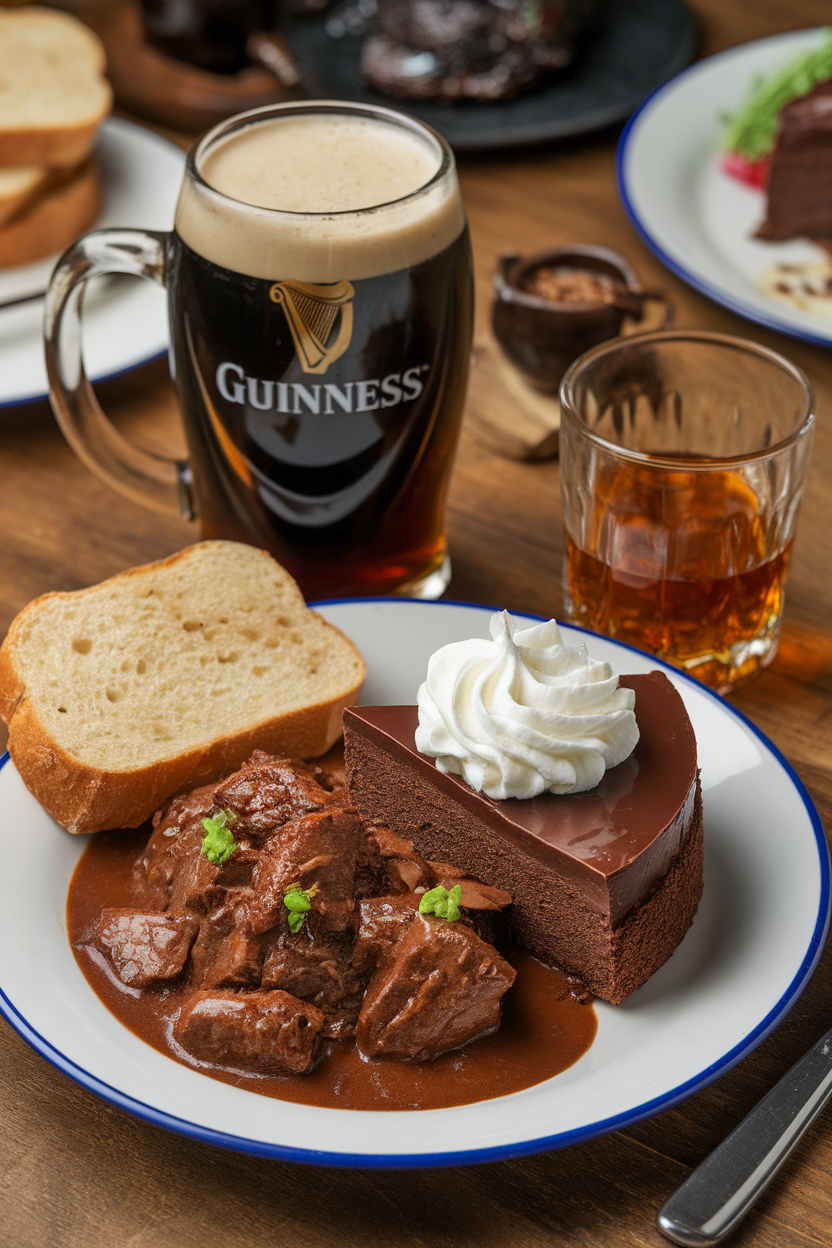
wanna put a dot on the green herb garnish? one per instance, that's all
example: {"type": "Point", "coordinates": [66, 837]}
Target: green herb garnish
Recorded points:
{"type": "Point", "coordinates": [751, 131]}
{"type": "Point", "coordinates": [218, 843]}
{"type": "Point", "coordinates": [297, 901]}
{"type": "Point", "coordinates": [444, 904]}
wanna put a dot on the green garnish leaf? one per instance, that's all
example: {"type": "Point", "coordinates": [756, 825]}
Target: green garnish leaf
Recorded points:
{"type": "Point", "coordinates": [218, 843]}
{"type": "Point", "coordinates": [444, 904]}
{"type": "Point", "coordinates": [752, 130]}
{"type": "Point", "coordinates": [297, 901]}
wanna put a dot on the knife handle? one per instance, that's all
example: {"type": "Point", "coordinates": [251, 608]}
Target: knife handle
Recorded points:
{"type": "Point", "coordinates": [720, 1192]}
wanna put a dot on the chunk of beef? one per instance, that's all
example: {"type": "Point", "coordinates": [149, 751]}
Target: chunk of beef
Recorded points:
{"type": "Point", "coordinates": [480, 903]}
{"type": "Point", "coordinates": [224, 956]}
{"type": "Point", "coordinates": [400, 869]}
{"type": "Point", "coordinates": [176, 838]}
{"type": "Point", "coordinates": [475, 895]}
{"type": "Point", "coordinates": [320, 849]}
{"type": "Point", "coordinates": [266, 1032]}
{"type": "Point", "coordinates": [319, 971]}
{"type": "Point", "coordinates": [382, 921]}
{"type": "Point", "coordinates": [332, 779]}
{"type": "Point", "coordinates": [436, 989]}
{"type": "Point", "coordinates": [269, 791]}
{"type": "Point", "coordinates": [372, 876]}
{"type": "Point", "coordinates": [407, 875]}
{"type": "Point", "coordinates": [143, 948]}
{"type": "Point", "coordinates": [177, 873]}
{"type": "Point", "coordinates": [390, 844]}
{"type": "Point", "coordinates": [203, 886]}
{"type": "Point", "coordinates": [406, 871]}
{"type": "Point", "coordinates": [195, 885]}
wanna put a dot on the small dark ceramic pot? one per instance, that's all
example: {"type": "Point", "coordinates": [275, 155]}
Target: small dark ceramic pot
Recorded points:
{"type": "Point", "coordinates": [542, 337]}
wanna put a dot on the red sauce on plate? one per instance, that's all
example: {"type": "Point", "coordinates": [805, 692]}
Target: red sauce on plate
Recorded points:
{"type": "Point", "coordinates": [544, 1030]}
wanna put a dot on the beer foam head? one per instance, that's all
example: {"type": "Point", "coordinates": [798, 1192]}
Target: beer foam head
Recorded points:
{"type": "Point", "coordinates": [320, 164]}
{"type": "Point", "coordinates": [319, 193]}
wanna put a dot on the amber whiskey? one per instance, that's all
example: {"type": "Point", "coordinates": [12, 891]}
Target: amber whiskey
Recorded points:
{"type": "Point", "coordinates": [678, 564]}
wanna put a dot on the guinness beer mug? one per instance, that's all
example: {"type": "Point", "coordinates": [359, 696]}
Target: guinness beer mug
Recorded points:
{"type": "Point", "coordinates": [321, 298]}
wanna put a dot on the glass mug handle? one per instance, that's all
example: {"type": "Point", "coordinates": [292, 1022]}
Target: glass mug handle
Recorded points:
{"type": "Point", "coordinates": [153, 480]}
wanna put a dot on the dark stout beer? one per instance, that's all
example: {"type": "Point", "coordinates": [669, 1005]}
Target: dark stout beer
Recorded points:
{"type": "Point", "coordinates": [321, 343]}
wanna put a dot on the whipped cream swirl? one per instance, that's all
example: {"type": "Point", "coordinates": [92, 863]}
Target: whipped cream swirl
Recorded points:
{"type": "Point", "coordinates": [524, 714]}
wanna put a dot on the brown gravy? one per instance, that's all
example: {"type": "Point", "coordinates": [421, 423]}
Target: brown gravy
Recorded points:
{"type": "Point", "coordinates": [544, 1030]}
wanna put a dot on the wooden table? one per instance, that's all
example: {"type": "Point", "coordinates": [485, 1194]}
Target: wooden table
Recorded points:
{"type": "Point", "coordinates": [74, 1171]}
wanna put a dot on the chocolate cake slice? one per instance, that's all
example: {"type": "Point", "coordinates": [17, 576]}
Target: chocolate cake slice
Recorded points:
{"type": "Point", "coordinates": [800, 174]}
{"type": "Point", "coordinates": [605, 883]}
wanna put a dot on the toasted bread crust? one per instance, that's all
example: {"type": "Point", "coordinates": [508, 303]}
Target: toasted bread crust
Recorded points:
{"type": "Point", "coordinates": [85, 798]}
{"type": "Point", "coordinates": [15, 199]}
{"type": "Point", "coordinates": [57, 148]}
{"type": "Point", "coordinates": [50, 222]}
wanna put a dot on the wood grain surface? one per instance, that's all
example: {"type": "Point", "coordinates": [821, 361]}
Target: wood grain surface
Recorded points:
{"type": "Point", "coordinates": [75, 1172]}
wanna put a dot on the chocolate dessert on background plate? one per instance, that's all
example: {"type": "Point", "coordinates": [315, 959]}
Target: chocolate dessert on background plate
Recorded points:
{"type": "Point", "coordinates": [780, 141]}
{"type": "Point", "coordinates": [800, 172]}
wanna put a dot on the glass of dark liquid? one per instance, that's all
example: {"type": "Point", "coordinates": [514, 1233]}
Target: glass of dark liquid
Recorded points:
{"type": "Point", "coordinates": [321, 303]}
{"type": "Point", "coordinates": [683, 461]}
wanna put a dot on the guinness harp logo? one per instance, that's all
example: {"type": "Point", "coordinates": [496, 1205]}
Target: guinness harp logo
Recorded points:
{"type": "Point", "coordinates": [312, 312]}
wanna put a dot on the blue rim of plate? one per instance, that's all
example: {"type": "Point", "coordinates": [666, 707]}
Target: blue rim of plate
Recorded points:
{"type": "Point", "coordinates": [502, 1152]}
{"type": "Point", "coordinates": [747, 311]}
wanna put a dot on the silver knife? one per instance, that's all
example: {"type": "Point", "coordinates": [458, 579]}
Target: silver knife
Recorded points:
{"type": "Point", "coordinates": [720, 1192]}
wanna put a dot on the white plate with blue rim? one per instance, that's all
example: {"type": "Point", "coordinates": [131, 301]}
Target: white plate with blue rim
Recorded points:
{"type": "Point", "coordinates": [698, 220]}
{"type": "Point", "coordinates": [125, 318]}
{"type": "Point", "coordinates": [754, 942]}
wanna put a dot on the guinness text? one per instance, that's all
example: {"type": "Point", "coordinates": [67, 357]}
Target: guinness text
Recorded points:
{"type": "Point", "coordinates": [295, 398]}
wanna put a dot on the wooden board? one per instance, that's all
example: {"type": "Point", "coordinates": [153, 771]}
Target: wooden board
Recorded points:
{"type": "Point", "coordinates": [504, 412]}
{"type": "Point", "coordinates": [163, 89]}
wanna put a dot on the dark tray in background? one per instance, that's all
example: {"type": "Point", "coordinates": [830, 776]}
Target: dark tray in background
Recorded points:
{"type": "Point", "coordinates": [640, 45]}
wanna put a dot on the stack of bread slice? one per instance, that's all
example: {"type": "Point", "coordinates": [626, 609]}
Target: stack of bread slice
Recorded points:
{"type": "Point", "coordinates": [53, 98]}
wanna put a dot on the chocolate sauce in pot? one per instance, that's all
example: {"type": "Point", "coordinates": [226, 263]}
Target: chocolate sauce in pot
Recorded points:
{"type": "Point", "coordinates": [544, 1030]}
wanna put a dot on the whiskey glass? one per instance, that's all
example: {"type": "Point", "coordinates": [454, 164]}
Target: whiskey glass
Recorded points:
{"type": "Point", "coordinates": [684, 457]}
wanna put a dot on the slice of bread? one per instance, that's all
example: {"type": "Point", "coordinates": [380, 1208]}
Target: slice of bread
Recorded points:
{"type": "Point", "coordinates": [18, 186]}
{"type": "Point", "coordinates": [67, 206]}
{"type": "Point", "coordinates": [165, 676]}
{"type": "Point", "coordinates": [53, 93]}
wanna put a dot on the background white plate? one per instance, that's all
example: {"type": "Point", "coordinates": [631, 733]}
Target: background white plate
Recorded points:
{"type": "Point", "coordinates": [696, 219]}
{"type": "Point", "coordinates": [753, 944]}
{"type": "Point", "coordinates": [125, 319]}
